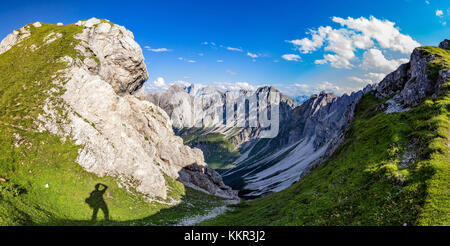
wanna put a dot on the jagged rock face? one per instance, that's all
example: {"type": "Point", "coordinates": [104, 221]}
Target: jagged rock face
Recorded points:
{"type": "Point", "coordinates": [212, 99]}
{"type": "Point", "coordinates": [122, 63]}
{"type": "Point", "coordinates": [119, 134]}
{"type": "Point", "coordinates": [307, 133]}
{"type": "Point", "coordinates": [445, 44]}
{"type": "Point", "coordinates": [311, 133]}
{"type": "Point", "coordinates": [411, 82]}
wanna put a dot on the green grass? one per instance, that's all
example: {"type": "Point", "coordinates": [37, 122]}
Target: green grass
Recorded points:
{"type": "Point", "coordinates": [363, 182]}
{"type": "Point", "coordinates": [45, 186]}
{"type": "Point", "coordinates": [219, 152]}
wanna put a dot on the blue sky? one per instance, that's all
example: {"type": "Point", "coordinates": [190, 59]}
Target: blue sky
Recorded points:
{"type": "Point", "coordinates": [300, 47]}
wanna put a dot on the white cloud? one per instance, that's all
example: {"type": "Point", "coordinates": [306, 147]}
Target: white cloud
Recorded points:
{"type": "Point", "coordinates": [252, 55]}
{"type": "Point", "coordinates": [374, 59]}
{"type": "Point", "coordinates": [383, 31]}
{"type": "Point", "coordinates": [369, 78]}
{"type": "Point", "coordinates": [376, 77]}
{"type": "Point", "coordinates": [201, 54]}
{"type": "Point", "coordinates": [360, 80]}
{"type": "Point", "coordinates": [439, 13]}
{"type": "Point", "coordinates": [234, 86]}
{"type": "Point", "coordinates": [427, 2]}
{"type": "Point", "coordinates": [361, 33]}
{"type": "Point", "coordinates": [234, 49]}
{"type": "Point", "coordinates": [291, 57]}
{"type": "Point", "coordinates": [219, 61]}
{"type": "Point", "coordinates": [191, 61]}
{"type": "Point", "coordinates": [157, 50]}
{"type": "Point", "coordinates": [159, 82]}
{"type": "Point", "coordinates": [323, 61]}
{"type": "Point", "coordinates": [306, 45]}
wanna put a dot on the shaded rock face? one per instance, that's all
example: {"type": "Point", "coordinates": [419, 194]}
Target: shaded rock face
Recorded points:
{"type": "Point", "coordinates": [119, 134]}
{"type": "Point", "coordinates": [411, 82]}
{"type": "Point", "coordinates": [445, 44]}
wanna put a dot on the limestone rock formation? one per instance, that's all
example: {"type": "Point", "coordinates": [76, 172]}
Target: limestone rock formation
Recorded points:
{"type": "Point", "coordinates": [411, 82]}
{"type": "Point", "coordinates": [119, 134]}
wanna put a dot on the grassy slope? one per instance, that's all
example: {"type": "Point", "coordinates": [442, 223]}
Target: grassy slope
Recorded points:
{"type": "Point", "coordinates": [42, 160]}
{"type": "Point", "coordinates": [362, 183]}
{"type": "Point", "coordinates": [218, 150]}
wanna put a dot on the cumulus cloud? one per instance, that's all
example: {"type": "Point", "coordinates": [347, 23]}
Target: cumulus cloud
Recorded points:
{"type": "Point", "coordinates": [159, 82]}
{"type": "Point", "coordinates": [439, 13]}
{"type": "Point", "coordinates": [360, 80]}
{"type": "Point", "coordinates": [376, 77]}
{"type": "Point", "coordinates": [368, 78]}
{"type": "Point", "coordinates": [234, 49]}
{"type": "Point", "coordinates": [374, 59]}
{"type": "Point", "coordinates": [291, 57]}
{"type": "Point", "coordinates": [157, 49]}
{"type": "Point", "coordinates": [306, 45]}
{"type": "Point", "coordinates": [360, 33]}
{"type": "Point", "coordinates": [383, 31]}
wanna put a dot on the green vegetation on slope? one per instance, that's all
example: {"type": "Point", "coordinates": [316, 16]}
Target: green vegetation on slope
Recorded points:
{"type": "Point", "coordinates": [41, 184]}
{"type": "Point", "coordinates": [365, 182]}
{"type": "Point", "coordinates": [219, 152]}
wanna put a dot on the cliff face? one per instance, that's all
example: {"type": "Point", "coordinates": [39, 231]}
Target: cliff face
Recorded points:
{"type": "Point", "coordinates": [413, 81]}
{"type": "Point", "coordinates": [94, 102]}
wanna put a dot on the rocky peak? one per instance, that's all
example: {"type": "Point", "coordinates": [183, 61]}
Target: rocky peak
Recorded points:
{"type": "Point", "coordinates": [413, 81]}
{"type": "Point", "coordinates": [121, 62]}
{"type": "Point", "coordinates": [445, 44]}
{"type": "Point", "coordinates": [99, 108]}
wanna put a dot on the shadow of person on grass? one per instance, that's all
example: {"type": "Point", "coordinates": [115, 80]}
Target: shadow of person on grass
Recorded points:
{"type": "Point", "coordinates": [96, 202]}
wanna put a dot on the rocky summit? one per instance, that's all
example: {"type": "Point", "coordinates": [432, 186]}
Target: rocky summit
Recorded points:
{"type": "Point", "coordinates": [98, 107]}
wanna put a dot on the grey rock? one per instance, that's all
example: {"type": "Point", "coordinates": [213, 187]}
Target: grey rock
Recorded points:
{"type": "Point", "coordinates": [445, 44]}
{"type": "Point", "coordinates": [119, 134]}
{"type": "Point", "coordinates": [411, 82]}
{"type": "Point", "coordinates": [14, 38]}
{"type": "Point", "coordinates": [121, 59]}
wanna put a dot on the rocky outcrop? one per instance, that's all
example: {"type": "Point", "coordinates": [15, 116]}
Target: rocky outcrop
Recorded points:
{"type": "Point", "coordinates": [120, 57]}
{"type": "Point", "coordinates": [412, 82]}
{"type": "Point", "coordinates": [445, 44]}
{"type": "Point", "coordinates": [119, 135]}
{"type": "Point", "coordinates": [14, 38]}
